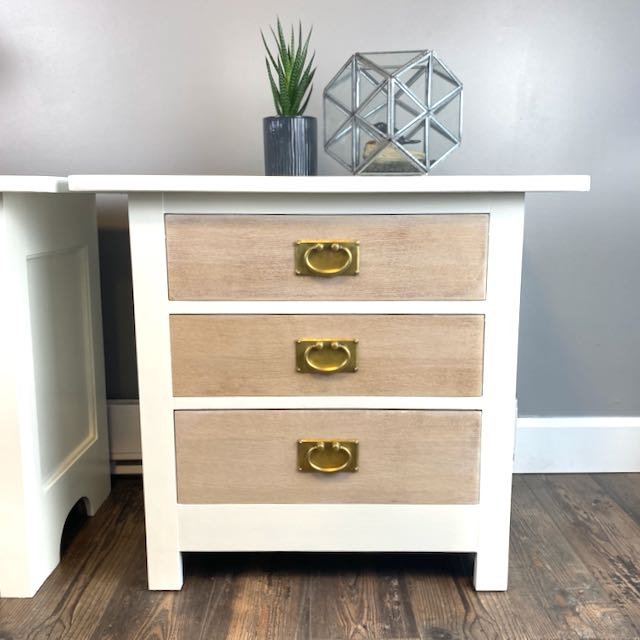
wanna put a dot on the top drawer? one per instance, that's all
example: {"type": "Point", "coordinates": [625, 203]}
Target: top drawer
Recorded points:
{"type": "Point", "coordinates": [401, 257]}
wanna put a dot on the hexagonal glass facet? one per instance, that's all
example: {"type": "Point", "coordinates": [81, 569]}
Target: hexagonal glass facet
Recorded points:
{"type": "Point", "coordinates": [392, 112]}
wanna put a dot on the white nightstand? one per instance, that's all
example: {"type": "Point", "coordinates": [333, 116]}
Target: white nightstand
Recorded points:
{"type": "Point", "coordinates": [376, 318]}
{"type": "Point", "coordinates": [53, 430]}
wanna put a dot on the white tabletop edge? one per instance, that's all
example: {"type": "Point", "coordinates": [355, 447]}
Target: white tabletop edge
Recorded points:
{"type": "Point", "coordinates": [327, 184]}
{"type": "Point", "coordinates": [33, 184]}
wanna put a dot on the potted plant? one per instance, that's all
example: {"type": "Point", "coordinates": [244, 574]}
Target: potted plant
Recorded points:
{"type": "Point", "coordinates": [290, 138]}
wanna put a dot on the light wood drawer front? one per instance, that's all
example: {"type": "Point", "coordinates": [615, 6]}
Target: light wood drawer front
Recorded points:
{"type": "Point", "coordinates": [421, 457]}
{"type": "Point", "coordinates": [254, 355]}
{"type": "Point", "coordinates": [402, 257]}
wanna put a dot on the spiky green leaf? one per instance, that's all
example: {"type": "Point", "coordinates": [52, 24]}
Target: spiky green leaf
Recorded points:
{"type": "Point", "coordinates": [291, 44]}
{"type": "Point", "coordinates": [299, 62]}
{"type": "Point", "coordinates": [284, 94]}
{"type": "Point", "coordinates": [292, 90]}
{"type": "Point", "coordinates": [305, 83]}
{"type": "Point", "coordinates": [266, 46]}
{"type": "Point", "coordinates": [284, 54]}
{"type": "Point", "coordinates": [306, 102]}
{"type": "Point", "coordinates": [274, 89]}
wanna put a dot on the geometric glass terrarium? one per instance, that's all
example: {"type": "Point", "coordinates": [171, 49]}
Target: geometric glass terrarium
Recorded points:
{"type": "Point", "coordinates": [392, 112]}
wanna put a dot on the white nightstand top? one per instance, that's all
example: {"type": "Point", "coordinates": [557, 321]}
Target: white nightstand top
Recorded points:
{"type": "Point", "coordinates": [33, 184]}
{"type": "Point", "coordinates": [329, 184]}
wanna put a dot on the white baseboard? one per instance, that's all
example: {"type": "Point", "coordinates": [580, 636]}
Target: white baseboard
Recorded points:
{"type": "Point", "coordinates": [124, 436]}
{"type": "Point", "coordinates": [577, 445]}
{"type": "Point", "coordinates": [543, 445]}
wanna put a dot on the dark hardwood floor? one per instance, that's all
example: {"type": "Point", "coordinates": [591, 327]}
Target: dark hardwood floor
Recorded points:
{"type": "Point", "coordinates": [575, 573]}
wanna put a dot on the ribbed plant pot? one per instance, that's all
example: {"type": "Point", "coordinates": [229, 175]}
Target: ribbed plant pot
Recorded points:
{"type": "Point", "coordinates": [290, 146]}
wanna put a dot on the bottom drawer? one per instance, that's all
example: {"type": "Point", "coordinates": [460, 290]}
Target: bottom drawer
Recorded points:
{"type": "Point", "coordinates": [405, 456]}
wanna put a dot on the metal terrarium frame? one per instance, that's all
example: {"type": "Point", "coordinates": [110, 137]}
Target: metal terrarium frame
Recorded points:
{"type": "Point", "coordinates": [381, 89]}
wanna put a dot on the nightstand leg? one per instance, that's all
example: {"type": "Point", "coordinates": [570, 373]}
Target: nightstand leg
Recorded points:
{"type": "Point", "coordinates": [491, 570]}
{"type": "Point", "coordinates": [499, 391]}
{"type": "Point", "coordinates": [149, 266]}
{"type": "Point", "coordinates": [492, 558]}
{"type": "Point", "coordinates": [164, 569]}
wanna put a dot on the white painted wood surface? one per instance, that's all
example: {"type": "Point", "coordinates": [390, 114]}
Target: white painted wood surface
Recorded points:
{"type": "Point", "coordinates": [328, 184]}
{"type": "Point", "coordinates": [53, 428]}
{"type": "Point", "coordinates": [602, 444]}
{"type": "Point", "coordinates": [171, 527]}
{"type": "Point", "coordinates": [33, 184]}
{"type": "Point", "coordinates": [328, 527]}
{"type": "Point", "coordinates": [499, 391]}
{"type": "Point", "coordinates": [328, 402]}
{"type": "Point", "coordinates": [319, 307]}
{"type": "Point", "coordinates": [150, 297]}
{"type": "Point", "coordinates": [330, 204]}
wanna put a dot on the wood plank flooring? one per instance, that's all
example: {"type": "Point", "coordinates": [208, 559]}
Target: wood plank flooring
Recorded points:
{"type": "Point", "coordinates": [575, 573]}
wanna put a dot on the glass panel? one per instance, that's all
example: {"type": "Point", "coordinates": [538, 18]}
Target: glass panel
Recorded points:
{"type": "Point", "coordinates": [439, 143]}
{"type": "Point", "coordinates": [415, 143]}
{"type": "Point", "coordinates": [368, 81]}
{"type": "Point", "coordinates": [368, 142]}
{"type": "Point", "coordinates": [442, 82]}
{"type": "Point", "coordinates": [375, 112]}
{"type": "Point", "coordinates": [406, 110]}
{"type": "Point", "coordinates": [391, 61]}
{"type": "Point", "coordinates": [340, 87]}
{"type": "Point", "coordinates": [391, 160]}
{"type": "Point", "coordinates": [416, 79]}
{"type": "Point", "coordinates": [341, 147]}
{"type": "Point", "coordinates": [335, 118]}
{"type": "Point", "coordinates": [448, 115]}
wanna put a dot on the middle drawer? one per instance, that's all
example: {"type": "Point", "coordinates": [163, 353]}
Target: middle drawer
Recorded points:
{"type": "Point", "coordinates": [255, 355]}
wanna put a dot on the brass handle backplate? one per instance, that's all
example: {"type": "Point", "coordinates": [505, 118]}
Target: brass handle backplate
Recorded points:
{"type": "Point", "coordinates": [328, 355]}
{"type": "Point", "coordinates": [327, 258]}
{"type": "Point", "coordinates": [327, 456]}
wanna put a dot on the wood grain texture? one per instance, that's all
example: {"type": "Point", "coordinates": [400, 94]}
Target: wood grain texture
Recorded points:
{"type": "Point", "coordinates": [267, 605]}
{"type": "Point", "coordinates": [412, 457]}
{"type": "Point", "coordinates": [566, 582]}
{"type": "Point", "coordinates": [403, 257]}
{"type": "Point", "coordinates": [624, 488]}
{"type": "Point", "coordinates": [436, 601]}
{"type": "Point", "coordinates": [240, 355]}
{"type": "Point", "coordinates": [606, 539]}
{"type": "Point", "coordinates": [555, 575]}
{"type": "Point", "coordinates": [72, 600]}
{"type": "Point", "coordinates": [365, 601]}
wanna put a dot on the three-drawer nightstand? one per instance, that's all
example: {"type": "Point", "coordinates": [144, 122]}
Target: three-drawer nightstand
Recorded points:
{"type": "Point", "coordinates": [327, 364]}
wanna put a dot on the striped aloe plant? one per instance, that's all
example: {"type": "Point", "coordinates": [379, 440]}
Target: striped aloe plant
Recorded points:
{"type": "Point", "coordinates": [294, 74]}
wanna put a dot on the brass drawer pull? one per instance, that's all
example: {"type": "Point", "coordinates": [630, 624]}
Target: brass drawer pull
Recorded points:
{"type": "Point", "coordinates": [327, 456]}
{"type": "Point", "coordinates": [336, 346]}
{"type": "Point", "coordinates": [335, 246]}
{"type": "Point", "coordinates": [326, 356]}
{"type": "Point", "coordinates": [327, 258]}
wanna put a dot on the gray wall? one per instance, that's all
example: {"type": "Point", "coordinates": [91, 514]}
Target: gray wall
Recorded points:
{"type": "Point", "coordinates": [153, 86]}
